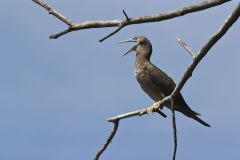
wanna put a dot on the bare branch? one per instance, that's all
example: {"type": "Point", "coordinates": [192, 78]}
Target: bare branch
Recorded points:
{"type": "Point", "coordinates": [127, 115]}
{"type": "Point", "coordinates": [55, 36]}
{"type": "Point", "coordinates": [174, 131]}
{"type": "Point", "coordinates": [108, 141]}
{"type": "Point", "coordinates": [185, 46]}
{"type": "Point", "coordinates": [123, 24]}
{"type": "Point", "coordinates": [134, 113]}
{"type": "Point", "coordinates": [120, 23]}
{"type": "Point", "coordinates": [54, 12]}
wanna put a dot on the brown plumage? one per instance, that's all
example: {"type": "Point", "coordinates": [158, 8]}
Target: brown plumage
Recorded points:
{"type": "Point", "coordinates": [154, 81]}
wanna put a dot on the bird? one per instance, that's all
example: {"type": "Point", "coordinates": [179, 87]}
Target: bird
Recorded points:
{"type": "Point", "coordinates": [155, 82]}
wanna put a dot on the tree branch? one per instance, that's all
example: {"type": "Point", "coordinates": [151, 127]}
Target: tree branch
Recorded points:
{"type": "Point", "coordinates": [204, 50]}
{"type": "Point", "coordinates": [121, 23]}
{"type": "Point", "coordinates": [174, 131]}
{"type": "Point", "coordinates": [114, 32]}
{"type": "Point", "coordinates": [185, 46]}
{"type": "Point", "coordinates": [55, 13]}
{"type": "Point", "coordinates": [108, 141]}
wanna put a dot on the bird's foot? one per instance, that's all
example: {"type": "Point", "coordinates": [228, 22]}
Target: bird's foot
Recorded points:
{"type": "Point", "coordinates": [155, 108]}
{"type": "Point", "coordinates": [151, 109]}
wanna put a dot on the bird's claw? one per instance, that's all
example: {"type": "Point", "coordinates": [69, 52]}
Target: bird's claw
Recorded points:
{"type": "Point", "coordinates": [155, 108]}
{"type": "Point", "coordinates": [151, 109]}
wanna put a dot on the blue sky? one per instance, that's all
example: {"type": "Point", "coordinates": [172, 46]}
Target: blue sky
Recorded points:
{"type": "Point", "coordinates": [56, 95]}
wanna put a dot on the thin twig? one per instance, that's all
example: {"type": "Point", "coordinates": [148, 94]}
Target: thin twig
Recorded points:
{"type": "Point", "coordinates": [108, 141]}
{"type": "Point", "coordinates": [55, 36]}
{"type": "Point", "coordinates": [186, 47]}
{"type": "Point", "coordinates": [125, 14]}
{"type": "Point", "coordinates": [174, 130]}
{"type": "Point", "coordinates": [136, 20]}
{"type": "Point", "coordinates": [112, 33]}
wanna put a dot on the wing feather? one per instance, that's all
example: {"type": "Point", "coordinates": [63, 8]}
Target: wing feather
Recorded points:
{"type": "Point", "coordinates": [161, 79]}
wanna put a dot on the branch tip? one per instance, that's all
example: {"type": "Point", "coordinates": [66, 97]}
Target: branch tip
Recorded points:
{"type": "Point", "coordinates": [125, 14]}
{"type": "Point", "coordinates": [186, 47]}
{"type": "Point", "coordinates": [112, 33]}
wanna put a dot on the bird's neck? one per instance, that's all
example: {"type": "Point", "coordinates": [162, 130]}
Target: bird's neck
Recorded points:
{"type": "Point", "coordinates": [141, 63]}
{"type": "Point", "coordinates": [142, 59]}
{"type": "Point", "coordinates": [143, 52]}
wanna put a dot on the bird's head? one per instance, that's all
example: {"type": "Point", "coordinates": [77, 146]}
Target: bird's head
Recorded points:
{"type": "Point", "coordinates": [142, 47]}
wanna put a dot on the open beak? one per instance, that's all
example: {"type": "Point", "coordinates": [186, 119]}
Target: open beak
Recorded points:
{"type": "Point", "coordinates": [130, 50]}
{"type": "Point", "coordinates": [128, 40]}
{"type": "Point", "coordinates": [133, 48]}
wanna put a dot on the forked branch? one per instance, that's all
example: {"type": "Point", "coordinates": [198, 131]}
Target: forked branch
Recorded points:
{"type": "Point", "coordinates": [121, 23]}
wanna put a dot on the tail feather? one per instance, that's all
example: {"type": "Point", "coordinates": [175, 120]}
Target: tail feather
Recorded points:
{"type": "Point", "coordinates": [192, 114]}
{"type": "Point", "coordinates": [200, 121]}
{"type": "Point", "coordinates": [196, 113]}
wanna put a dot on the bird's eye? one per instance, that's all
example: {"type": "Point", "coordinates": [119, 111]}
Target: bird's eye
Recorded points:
{"type": "Point", "coordinates": [135, 38]}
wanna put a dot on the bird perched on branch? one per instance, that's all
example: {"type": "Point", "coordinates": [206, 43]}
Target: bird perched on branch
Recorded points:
{"type": "Point", "coordinates": [154, 81]}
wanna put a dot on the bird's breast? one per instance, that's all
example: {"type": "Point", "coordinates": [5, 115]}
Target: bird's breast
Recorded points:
{"type": "Point", "coordinates": [147, 84]}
